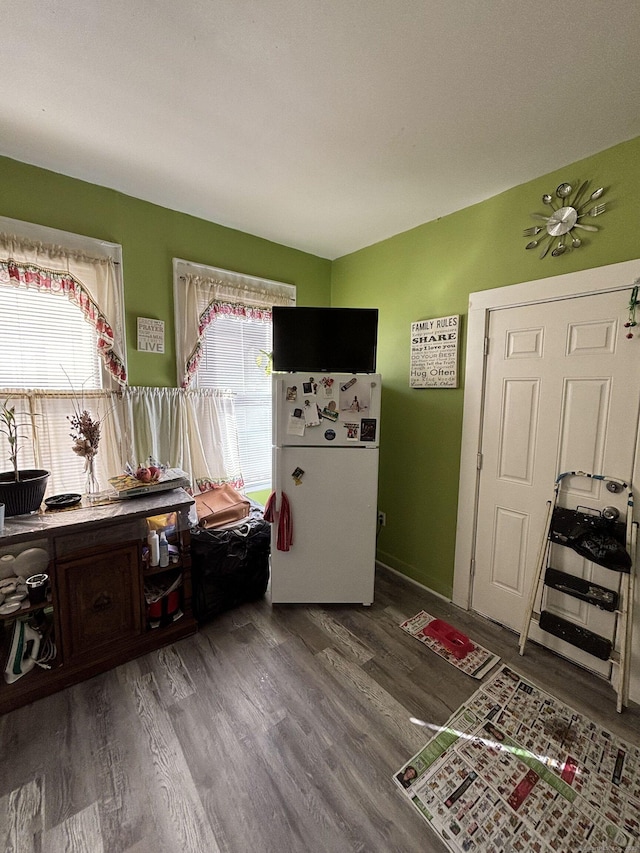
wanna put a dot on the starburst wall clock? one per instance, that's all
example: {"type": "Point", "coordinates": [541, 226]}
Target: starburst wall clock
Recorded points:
{"type": "Point", "coordinates": [570, 211]}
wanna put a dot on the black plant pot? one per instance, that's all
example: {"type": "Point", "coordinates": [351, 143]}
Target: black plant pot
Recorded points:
{"type": "Point", "coordinates": [26, 494]}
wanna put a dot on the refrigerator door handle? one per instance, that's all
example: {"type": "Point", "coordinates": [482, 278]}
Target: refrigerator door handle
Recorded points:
{"type": "Point", "coordinates": [277, 476]}
{"type": "Point", "coordinates": [275, 410]}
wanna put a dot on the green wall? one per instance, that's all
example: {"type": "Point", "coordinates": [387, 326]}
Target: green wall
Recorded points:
{"type": "Point", "coordinates": [430, 272]}
{"type": "Point", "coordinates": [150, 237]}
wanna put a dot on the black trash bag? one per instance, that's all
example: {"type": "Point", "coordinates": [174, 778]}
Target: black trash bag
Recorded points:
{"type": "Point", "coordinates": [229, 566]}
{"type": "Point", "coordinates": [596, 538]}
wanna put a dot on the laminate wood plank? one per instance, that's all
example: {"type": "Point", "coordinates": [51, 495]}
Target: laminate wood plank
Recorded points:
{"type": "Point", "coordinates": [242, 803]}
{"type": "Point", "coordinates": [182, 817]}
{"type": "Point", "coordinates": [380, 631]}
{"type": "Point", "coordinates": [80, 831]}
{"type": "Point", "coordinates": [22, 818]}
{"type": "Point", "coordinates": [377, 699]}
{"type": "Point", "coordinates": [251, 699]}
{"type": "Point", "coordinates": [328, 815]}
{"type": "Point", "coordinates": [267, 621]}
{"type": "Point", "coordinates": [341, 638]}
{"type": "Point", "coordinates": [298, 624]}
{"type": "Point", "coordinates": [112, 727]}
{"type": "Point", "coordinates": [424, 694]}
{"type": "Point", "coordinates": [32, 731]}
{"type": "Point", "coordinates": [172, 677]}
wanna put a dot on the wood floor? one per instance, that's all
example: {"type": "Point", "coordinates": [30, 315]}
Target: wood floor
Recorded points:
{"type": "Point", "coordinates": [271, 731]}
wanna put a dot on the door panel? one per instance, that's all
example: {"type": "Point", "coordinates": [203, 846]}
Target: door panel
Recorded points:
{"type": "Point", "coordinates": [561, 394]}
{"type": "Point", "coordinates": [518, 430]}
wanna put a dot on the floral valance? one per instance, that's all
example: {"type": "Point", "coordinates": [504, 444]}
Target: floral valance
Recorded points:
{"type": "Point", "coordinates": [89, 283]}
{"type": "Point", "coordinates": [200, 299]}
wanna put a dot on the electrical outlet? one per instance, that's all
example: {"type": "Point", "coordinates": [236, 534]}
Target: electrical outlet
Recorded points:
{"type": "Point", "coordinates": [382, 518]}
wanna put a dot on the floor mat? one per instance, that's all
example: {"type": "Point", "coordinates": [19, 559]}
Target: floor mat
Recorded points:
{"type": "Point", "coordinates": [515, 769]}
{"type": "Point", "coordinates": [470, 657]}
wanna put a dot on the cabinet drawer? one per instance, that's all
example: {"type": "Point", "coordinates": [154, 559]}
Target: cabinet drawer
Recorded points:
{"type": "Point", "coordinates": [104, 601]}
{"type": "Point", "coordinates": [73, 543]}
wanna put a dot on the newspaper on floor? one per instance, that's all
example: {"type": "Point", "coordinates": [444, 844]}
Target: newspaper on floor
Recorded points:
{"type": "Point", "coordinates": [514, 769]}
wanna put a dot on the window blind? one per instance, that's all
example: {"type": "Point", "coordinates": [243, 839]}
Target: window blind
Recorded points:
{"type": "Point", "coordinates": [46, 343]}
{"type": "Point", "coordinates": [232, 348]}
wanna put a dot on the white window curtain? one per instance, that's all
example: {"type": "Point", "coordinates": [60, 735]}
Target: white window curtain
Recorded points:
{"type": "Point", "coordinates": [89, 282]}
{"type": "Point", "coordinates": [202, 293]}
{"type": "Point", "coordinates": [46, 441]}
{"type": "Point", "coordinates": [193, 430]}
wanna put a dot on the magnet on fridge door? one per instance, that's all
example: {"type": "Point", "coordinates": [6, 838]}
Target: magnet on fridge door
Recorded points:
{"type": "Point", "coordinates": [292, 393]}
{"type": "Point", "coordinates": [330, 412]}
{"type": "Point", "coordinates": [297, 476]}
{"type": "Point", "coordinates": [354, 400]}
{"type": "Point", "coordinates": [368, 428]}
{"type": "Point", "coordinates": [352, 431]}
{"type": "Point", "coordinates": [295, 424]}
{"type": "Point", "coordinates": [327, 386]}
{"type": "Point", "coordinates": [311, 417]}
{"type": "Point", "coordinates": [329, 434]}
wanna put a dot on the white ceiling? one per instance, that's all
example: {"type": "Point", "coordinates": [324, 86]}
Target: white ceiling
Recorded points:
{"type": "Point", "coordinates": [326, 125]}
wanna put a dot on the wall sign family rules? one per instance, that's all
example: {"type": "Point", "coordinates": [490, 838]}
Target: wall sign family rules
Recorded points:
{"type": "Point", "coordinates": [434, 353]}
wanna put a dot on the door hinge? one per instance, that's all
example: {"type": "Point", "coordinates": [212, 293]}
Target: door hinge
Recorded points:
{"type": "Point", "coordinates": [479, 461]}
{"type": "Point", "coordinates": [486, 346]}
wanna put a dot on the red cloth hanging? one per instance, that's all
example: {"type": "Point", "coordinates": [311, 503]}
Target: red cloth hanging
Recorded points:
{"type": "Point", "coordinates": [284, 539]}
{"type": "Point", "coordinates": [270, 513]}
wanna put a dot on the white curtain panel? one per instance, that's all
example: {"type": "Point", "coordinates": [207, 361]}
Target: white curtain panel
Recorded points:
{"type": "Point", "coordinates": [195, 296]}
{"type": "Point", "coordinates": [46, 441]}
{"type": "Point", "coordinates": [194, 430]}
{"type": "Point", "coordinates": [89, 282]}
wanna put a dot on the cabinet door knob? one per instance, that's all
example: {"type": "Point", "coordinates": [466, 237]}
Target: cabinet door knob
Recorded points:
{"type": "Point", "coordinates": [102, 602]}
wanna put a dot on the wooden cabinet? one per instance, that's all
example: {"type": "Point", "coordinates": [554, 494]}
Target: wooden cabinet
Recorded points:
{"type": "Point", "coordinates": [102, 599]}
{"type": "Point", "coordinates": [96, 613]}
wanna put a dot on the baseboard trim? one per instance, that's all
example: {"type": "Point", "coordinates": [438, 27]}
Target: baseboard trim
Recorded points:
{"type": "Point", "coordinates": [412, 581]}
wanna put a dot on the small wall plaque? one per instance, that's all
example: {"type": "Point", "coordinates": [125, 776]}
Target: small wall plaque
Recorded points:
{"type": "Point", "coordinates": [150, 335]}
{"type": "Point", "coordinates": [434, 353]}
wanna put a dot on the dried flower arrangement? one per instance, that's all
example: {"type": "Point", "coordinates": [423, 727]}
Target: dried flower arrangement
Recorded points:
{"type": "Point", "coordinates": [85, 432]}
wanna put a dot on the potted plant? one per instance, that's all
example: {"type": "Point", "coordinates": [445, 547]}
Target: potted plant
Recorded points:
{"type": "Point", "coordinates": [20, 491]}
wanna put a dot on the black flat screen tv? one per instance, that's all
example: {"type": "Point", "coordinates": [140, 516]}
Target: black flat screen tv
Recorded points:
{"type": "Point", "coordinates": [330, 340]}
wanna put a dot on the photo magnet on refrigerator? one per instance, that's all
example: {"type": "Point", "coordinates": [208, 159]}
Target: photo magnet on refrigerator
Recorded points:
{"type": "Point", "coordinates": [352, 431]}
{"type": "Point", "coordinates": [368, 429]}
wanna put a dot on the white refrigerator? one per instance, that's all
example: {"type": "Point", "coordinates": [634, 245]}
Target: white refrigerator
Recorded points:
{"type": "Point", "coordinates": [326, 430]}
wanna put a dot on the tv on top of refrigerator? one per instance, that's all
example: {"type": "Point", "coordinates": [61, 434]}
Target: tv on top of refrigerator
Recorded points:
{"type": "Point", "coordinates": [339, 340]}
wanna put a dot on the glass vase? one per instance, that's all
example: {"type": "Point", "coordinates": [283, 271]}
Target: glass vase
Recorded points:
{"type": "Point", "coordinates": [92, 486]}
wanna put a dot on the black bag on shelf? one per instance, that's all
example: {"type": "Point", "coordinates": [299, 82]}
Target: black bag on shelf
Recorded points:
{"type": "Point", "coordinates": [229, 565]}
{"type": "Point", "coordinates": [592, 536]}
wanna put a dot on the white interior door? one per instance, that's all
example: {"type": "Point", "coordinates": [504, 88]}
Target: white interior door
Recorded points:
{"type": "Point", "coordinates": [561, 393]}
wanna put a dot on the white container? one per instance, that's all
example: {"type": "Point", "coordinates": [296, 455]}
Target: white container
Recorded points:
{"type": "Point", "coordinates": [154, 548]}
{"type": "Point", "coordinates": [164, 550]}
{"type": "Point", "coordinates": [6, 566]}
